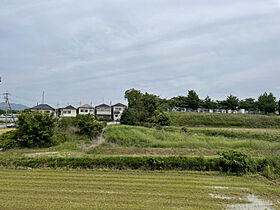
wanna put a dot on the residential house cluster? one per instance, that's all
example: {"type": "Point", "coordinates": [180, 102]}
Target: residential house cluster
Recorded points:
{"type": "Point", "coordinates": [102, 111]}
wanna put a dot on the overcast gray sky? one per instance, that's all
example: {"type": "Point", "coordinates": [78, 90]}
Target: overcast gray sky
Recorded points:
{"type": "Point", "coordinates": [94, 50]}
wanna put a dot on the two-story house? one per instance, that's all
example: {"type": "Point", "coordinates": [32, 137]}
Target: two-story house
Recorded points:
{"type": "Point", "coordinates": [103, 111]}
{"type": "Point", "coordinates": [85, 109]}
{"type": "Point", "coordinates": [68, 111]}
{"type": "Point", "coordinates": [43, 108]}
{"type": "Point", "coordinates": [117, 111]}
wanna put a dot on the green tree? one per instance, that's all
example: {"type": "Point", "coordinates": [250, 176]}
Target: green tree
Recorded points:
{"type": "Point", "coordinates": [267, 103]}
{"type": "Point", "coordinates": [87, 126]}
{"type": "Point", "coordinates": [127, 117]}
{"type": "Point", "coordinates": [133, 97]}
{"type": "Point", "coordinates": [248, 104]}
{"type": "Point", "coordinates": [193, 100]}
{"type": "Point", "coordinates": [232, 102]}
{"type": "Point", "coordinates": [279, 107]}
{"type": "Point", "coordinates": [207, 103]}
{"type": "Point", "coordinates": [35, 129]}
{"type": "Point", "coordinates": [179, 101]}
{"type": "Point", "coordinates": [161, 118]}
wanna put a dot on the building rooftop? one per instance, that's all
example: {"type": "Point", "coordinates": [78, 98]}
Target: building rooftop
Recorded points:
{"type": "Point", "coordinates": [87, 106]}
{"type": "Point", "coordinates": [119, 104]}
{"type": "Point", "coordinates": [102, 105]}
{"type": "Point", "coordinates": [69, 107]}
{"type": "Point", "coordinates": [43, 107]}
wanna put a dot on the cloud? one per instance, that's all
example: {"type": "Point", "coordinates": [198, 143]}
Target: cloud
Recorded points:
{"type": "Point", "coordinates": [95, 50]}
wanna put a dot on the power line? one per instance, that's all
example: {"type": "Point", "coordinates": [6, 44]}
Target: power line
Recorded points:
{"type": "Point", "coordinates": [6, 98]}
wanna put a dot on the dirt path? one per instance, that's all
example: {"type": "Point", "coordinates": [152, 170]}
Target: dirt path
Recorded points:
{"type": "Point", "coordinates": [100, 139]}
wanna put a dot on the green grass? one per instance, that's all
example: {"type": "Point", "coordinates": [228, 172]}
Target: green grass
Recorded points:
{"type": "Point", "coordinates": [254, 134]}
{"type": "Point", "coordinates": [109, 189]}
{"type": "Point", "coordinates": [224, 120]}
{"type": "Point", "coordinates": [195, 139]}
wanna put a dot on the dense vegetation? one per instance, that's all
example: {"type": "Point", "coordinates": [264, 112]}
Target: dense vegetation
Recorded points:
{"type": "Point", "coordinates": [144, 108]}
{"type": "Point", "coordinates": [231, 162]}
{"type": "Point", "coordinates": [193, 139]}
{"type": "Point", "coordinates": [145, 104]}
{"type": "Point", "coordinates": [223, 120]}
{"type": "Point", "coordinates": [35, 129]}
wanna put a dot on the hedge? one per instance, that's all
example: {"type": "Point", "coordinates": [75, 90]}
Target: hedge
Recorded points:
{"type": "Point", "coordinates": [143, 163]}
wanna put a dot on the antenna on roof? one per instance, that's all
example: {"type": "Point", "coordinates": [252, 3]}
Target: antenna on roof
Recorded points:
{"type": "Point", "coordinates": [110, 103]}
{"type": "Point", "coordinates": [43, 97]}
{"type": "Point", "coordinates": [91, 103]}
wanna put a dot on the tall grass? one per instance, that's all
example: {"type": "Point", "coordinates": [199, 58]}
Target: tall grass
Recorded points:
{"type": "Point", "coordinates": [132, 136]}
{"type": "Point", "coordinates": [224, 120]}
{"type": "Point", "coordinates": [254, 134]}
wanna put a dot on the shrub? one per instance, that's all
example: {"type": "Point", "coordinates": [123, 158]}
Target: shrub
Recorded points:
{"type": "Point", "coordinates": [234, 162]}
{"type": "Point", "coordinates": [87, 125]}
{"type": "Point", "coordinates": [8, 140]}
{"type": "Point", "coordinates": [161, 118]}
{"type": "Point", "coordinates": [35, 129]}
{"type": "Point", "coordinates": [65, 123]}
{"type": "Point", "coordinates": [127, 117]}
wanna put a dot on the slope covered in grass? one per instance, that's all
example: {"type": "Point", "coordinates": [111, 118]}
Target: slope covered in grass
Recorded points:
{"type": "Point", "coordinates": [133, 136]}
{"type": "Point", "coordinates": [224, 120]}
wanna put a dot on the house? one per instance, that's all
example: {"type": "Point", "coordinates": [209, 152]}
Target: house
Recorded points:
{"type": "Point", "coordinates": [43, 108]}
{"type": "Point", "coordinates": [117, 111]}
{"type": "Point", "coordinates": [103, 111]}
{"type": "Point", "coordinates": [68, 111]}
{"type": "Point", "coordinates": [85, 109]}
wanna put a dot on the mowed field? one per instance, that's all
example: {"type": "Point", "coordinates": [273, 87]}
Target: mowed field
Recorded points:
{"type": "Point", "coordinates": [113, 189]}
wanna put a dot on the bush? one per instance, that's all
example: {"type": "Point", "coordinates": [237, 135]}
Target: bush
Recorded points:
{"type": "Point", "coordinates": [234, 162]}
{"type": "Point", "coordinates": [161, 118]}
{"type": "Point", "coordinates": [8, 140]}
{"type": "Point", "coordinates": [127, 117]}
{"type": "Point", "coordinates": [65, 123]}
{"type": "Point", "coordinates": [87, 125]}
{"type": "Point", "coordinates": [35, 129]}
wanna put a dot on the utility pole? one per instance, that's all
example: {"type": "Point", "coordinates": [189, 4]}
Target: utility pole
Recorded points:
{"type": "Point", "coordinates": [6, 98]}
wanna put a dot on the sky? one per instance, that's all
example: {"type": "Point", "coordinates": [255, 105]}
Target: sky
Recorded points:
{"type": "Point", "coordinates": [91, 51]}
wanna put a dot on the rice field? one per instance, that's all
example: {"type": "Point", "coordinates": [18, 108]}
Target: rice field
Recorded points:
{"type": "Point", "coordinates": [113, 189]}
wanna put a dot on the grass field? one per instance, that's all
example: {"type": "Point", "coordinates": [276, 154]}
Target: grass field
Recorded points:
{"type": "Point", "coordinates": [257, 142]}
{"type": "Point", "coordinates": [224, 120]}
{"type": "Point", "coordinates": [89, 189]}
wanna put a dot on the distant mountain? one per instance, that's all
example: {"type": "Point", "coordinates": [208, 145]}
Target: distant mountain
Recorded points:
{"type": "Point", "coordinates": [14, 106]}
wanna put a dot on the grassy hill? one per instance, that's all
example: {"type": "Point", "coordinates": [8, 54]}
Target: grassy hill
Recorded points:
{"type": "Point", "coordinates": [224, 120]}
{"type": "Point", "coordinates": [176, 140]}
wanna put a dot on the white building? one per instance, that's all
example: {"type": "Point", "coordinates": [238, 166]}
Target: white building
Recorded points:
{"type": "Point", "coordinates": [43, 108]}
{"type": "Point", "coordinates": [103, 111]}
{"type": "Point", "coordinates": [68, 111]}
{"type": "Point", "coordinates": [117, 111]}
{"type": "Point", "coordinates": [85, 109]}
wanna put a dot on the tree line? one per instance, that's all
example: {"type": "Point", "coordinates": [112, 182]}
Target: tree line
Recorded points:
{"type": "Point", "coordinates": [149, 108]}
{"type": "Point", "coordinates": [265, 103]}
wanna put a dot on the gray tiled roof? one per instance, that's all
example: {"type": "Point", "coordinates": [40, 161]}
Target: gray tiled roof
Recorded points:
{"type": "Point", "coordinates": [119, 104]}
{"type": "Point", "coordinates": [43, 107]}
{"type": "Point", "coordinates": [103, 105]}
